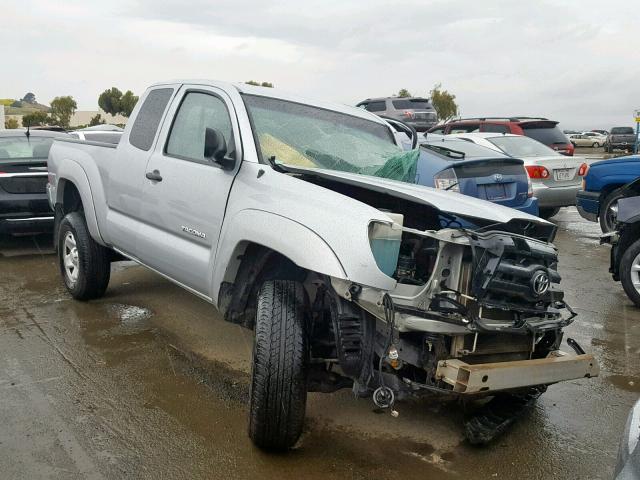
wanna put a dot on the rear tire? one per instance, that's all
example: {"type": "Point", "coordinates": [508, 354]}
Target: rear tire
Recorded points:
{"type": "Point", "coordinates": [595, 145]}
{"type": "Point", "coordinates": [279, 372]}
{"type": "Point", "coordinates": [84, 263]}
{"type": "Point", "coordinates": [630, 272]}
{"type": "Point", "coordinates": [609, 210]}
{"type": "Point", "coordinates": [549, 212]}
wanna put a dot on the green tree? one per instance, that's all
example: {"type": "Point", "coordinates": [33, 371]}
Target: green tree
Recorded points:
{"type": "Point", "coordinates": [35, 119]}
{"type": "Point", "coordinates": [258, 84]}
{"type": "Point", "coordinates": [444, 103]}
{"type": "Point", "coordinates": [109, 100]}
{"type": "Point", "coordinates": [96, 120]}
{"type": "Point", "coordinates": [29, 98]}
{"type": "Point", "coordinates": [11, 123]}
{"type": "Point", "coordinates": [114, 102]}
{"type": "Point", "coordinates": [127, 103]}
{"type": "Point", "coordinates": [62, 109]}
{"type": "Point", "coordinates": [404, 93]}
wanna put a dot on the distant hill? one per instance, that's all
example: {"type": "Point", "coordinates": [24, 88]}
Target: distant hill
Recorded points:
{"type": "Point", "coordinates": [24, 109]}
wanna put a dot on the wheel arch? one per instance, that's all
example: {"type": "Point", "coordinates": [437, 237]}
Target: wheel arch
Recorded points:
{"type": "Point", "coordinates": [256, 245]}
{"type": "Point", "coordinates": [73, 193]}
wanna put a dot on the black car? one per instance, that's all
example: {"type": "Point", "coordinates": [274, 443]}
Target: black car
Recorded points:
{"type": "Point", "coordinates": [625, 242]}
{"type": "Point", "coordinates": [24, 207]}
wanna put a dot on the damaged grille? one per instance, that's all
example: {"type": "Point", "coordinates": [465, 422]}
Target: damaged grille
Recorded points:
{"type": "Point", "coordinates": [515, 273]}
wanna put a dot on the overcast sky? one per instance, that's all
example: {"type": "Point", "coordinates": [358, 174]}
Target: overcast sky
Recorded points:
{"type": "Point", "coordinates": [574, 61]}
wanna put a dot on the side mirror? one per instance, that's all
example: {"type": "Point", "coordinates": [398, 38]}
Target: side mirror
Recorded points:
{"type": "Point", "coordinates": [215, 149]}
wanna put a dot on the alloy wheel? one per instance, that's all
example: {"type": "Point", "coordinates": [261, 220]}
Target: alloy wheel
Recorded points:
{"type": "Point", "coordinates": [70, 258]}
{"type": "Point", "coordinates": [635, 273]}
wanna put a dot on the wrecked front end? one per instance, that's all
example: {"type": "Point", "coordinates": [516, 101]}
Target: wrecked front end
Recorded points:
{"type": "Point", "coordinates": [474, 311]}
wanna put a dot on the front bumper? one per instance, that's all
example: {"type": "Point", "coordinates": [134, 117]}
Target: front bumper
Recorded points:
{"type": "Point", "coordinates": [552, 197]}
{"type": "Point", "coordinates": [588, 204]}
{"type": "Point", "coordinates": [471, 379]}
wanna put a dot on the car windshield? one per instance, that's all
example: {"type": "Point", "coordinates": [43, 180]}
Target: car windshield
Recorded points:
{"type": "Point", "coordinates": [622, 131]}
{"type": "Point", "coordinates": [312, 137]}
{"type": "Point", "coordinates": [469, 149]}
{"type": "Point", "coordinates": [23, 147]}
{"type": "Point", "coordinates": [520, 146]}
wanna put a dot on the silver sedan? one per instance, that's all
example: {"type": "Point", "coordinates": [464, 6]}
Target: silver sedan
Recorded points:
{"type": "Point", "coordinates": [555, 177]}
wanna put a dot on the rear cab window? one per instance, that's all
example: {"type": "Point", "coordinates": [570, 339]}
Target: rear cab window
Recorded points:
{"type": "Point", "coordinates": [622, 131]}
{"type": "Point", "coordinates": [145, 127]}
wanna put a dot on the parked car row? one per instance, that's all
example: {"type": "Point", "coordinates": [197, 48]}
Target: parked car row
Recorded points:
{"type": "Point", "coordinates": [541, 129]}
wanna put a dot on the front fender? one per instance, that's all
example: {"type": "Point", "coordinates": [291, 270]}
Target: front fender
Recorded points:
{"type": "Point", "coordinates": [283, 235]}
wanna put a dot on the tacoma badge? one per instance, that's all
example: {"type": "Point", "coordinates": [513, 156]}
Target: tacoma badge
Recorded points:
{"type": "Point", "coordinates": [193, 232]}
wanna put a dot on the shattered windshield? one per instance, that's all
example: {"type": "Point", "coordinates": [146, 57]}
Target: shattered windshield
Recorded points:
{"type": "Point", "coordinates": [312, 137]}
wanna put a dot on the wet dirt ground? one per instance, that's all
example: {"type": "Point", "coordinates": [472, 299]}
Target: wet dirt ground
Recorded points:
{"type": "Point", "coordinates": [148, 382]}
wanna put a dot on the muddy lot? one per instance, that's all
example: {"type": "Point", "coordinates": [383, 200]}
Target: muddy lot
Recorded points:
{"type": "Point", "coordinates": [148, 382]}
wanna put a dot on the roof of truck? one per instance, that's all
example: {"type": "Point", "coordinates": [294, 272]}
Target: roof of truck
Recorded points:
{"type": "Point", "coordinates": [279, 94]}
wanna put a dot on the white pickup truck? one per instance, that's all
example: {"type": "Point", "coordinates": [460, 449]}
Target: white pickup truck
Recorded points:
{"type": "Point", "coordinates": [280, 212]}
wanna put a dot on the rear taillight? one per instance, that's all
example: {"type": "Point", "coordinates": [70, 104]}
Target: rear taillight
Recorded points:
{"type": "Point", "coordinates": [537, 171]}
{"type": "Point", "coordinates": [569, 150]}
{"type": "Point", "coordinates": [582, 171]}
{"type": "Point", "coordinates": [408, 113]}
{"type": "Point", "coordinates": [446, 180]}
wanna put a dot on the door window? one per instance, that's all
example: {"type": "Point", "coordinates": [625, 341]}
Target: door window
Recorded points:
{"type": "Point", "coordinates": [198, 112]}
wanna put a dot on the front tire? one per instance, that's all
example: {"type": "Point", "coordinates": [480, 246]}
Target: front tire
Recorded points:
{"type": "Point", "coordinates": [84, 263]}
{"type": "Point", "coordinates": [630, 272]}
{"type": "Point", "coordinates": [595, 145]}
{"type": "Point", "coordinates": [280, 359]}
{"type": "Point", "coordinates": [609, 211]}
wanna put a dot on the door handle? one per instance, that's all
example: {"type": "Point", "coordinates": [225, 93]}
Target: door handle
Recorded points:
{"type": "Point", "coordinates": [155, 176]}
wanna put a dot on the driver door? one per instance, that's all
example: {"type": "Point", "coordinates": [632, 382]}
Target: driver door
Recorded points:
{"type": "Point", "coordinates": [185, 194]}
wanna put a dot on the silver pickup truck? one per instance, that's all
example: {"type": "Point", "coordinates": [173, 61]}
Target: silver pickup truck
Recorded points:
{"type": "Point", "coordinates": [283, 213]}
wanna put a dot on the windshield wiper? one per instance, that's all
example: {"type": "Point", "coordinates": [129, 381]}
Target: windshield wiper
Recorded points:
{"type": "Point", "coordinates": [448, 152]}
{"type": "Point", "coordinates": [278, 167]}
{"type": "Point", "coordinates": [451, 186]}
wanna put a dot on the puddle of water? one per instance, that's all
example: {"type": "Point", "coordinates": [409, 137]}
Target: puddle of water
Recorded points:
{"type": "Point", "coordinates": [130, 315]}
{"type": "Point", "coordinates": [624, 382]}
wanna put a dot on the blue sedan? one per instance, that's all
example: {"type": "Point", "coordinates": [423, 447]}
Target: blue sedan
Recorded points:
{"type": "Point", "coordinates": [461, 166]}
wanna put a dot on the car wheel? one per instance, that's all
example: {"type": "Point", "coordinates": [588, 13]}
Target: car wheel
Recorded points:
{"type": "Point", "coordinates": [630, 272]}
{"type": "Point", "coordinates": [595, 145]}
{"type": "Point", "coordinates": [609, 211]}
{"type": "Point", "coordinates": [84, 263]}
{"type": "Point", "coordinates": [279, 372]}
{"type": "Point", "coordinates": [549, 212]}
